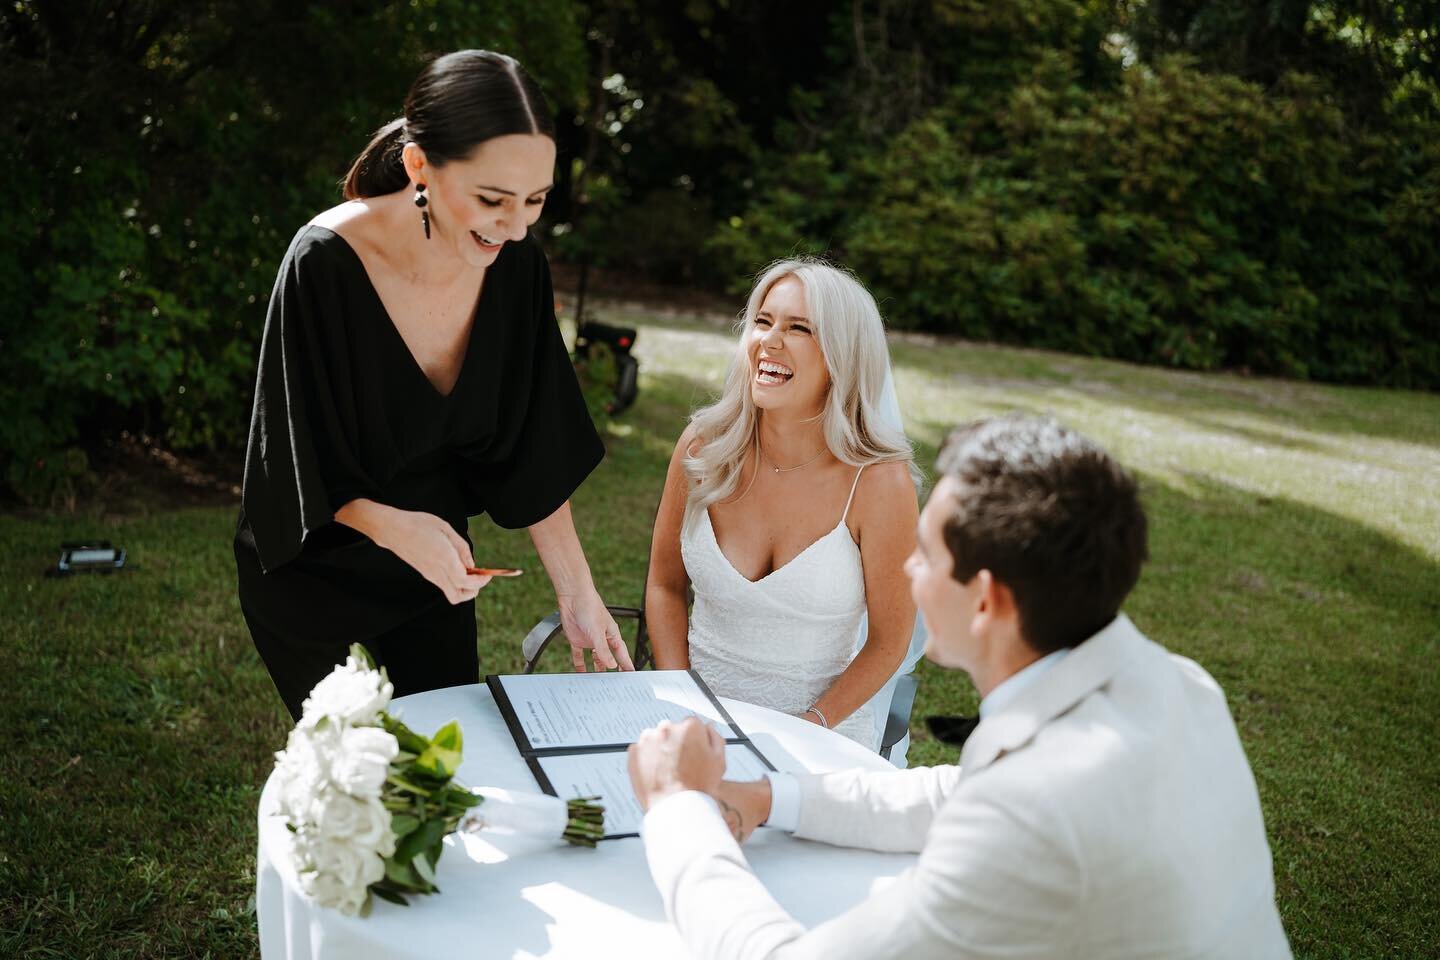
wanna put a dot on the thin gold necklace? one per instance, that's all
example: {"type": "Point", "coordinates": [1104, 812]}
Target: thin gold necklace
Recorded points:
{"type": "Point", "coordinates": [766, 460]}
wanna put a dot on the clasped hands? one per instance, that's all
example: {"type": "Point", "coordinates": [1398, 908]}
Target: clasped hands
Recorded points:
{"type": "Point", "coordinates": [690, 755]}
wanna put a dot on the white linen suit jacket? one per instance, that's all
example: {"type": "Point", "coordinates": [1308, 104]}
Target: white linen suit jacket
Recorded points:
{"type": "Point", "coordinates": [1107, 811]}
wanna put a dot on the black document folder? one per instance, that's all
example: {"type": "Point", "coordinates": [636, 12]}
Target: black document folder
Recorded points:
{"type": "Point", "coordinates": [574, 730]}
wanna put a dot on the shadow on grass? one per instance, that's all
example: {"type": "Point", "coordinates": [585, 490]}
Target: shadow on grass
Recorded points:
{"type": "Point", "coordinates": [1206, 399]}
{"type": "Point", "coordinates": [1262, 436]}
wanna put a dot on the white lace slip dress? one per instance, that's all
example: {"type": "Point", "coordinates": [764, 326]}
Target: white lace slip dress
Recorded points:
{"type": "Point", "coordinates": [779, 641]}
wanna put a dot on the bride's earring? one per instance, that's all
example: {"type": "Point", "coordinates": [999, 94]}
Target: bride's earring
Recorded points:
{"type": "Point", "coordinates": [422, 202]}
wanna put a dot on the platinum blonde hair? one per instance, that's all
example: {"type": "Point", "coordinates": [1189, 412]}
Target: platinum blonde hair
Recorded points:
{"type": "Point", "coordinates": [847, 323]}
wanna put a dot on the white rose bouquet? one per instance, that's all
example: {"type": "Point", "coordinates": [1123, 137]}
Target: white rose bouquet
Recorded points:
{"type": "Point", "coordinates": [367, 800]}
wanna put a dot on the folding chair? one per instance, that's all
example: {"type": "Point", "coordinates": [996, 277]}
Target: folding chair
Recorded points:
{"type": "Point", "coordinates": [897, 723]}
{"type": "Point", "coordinates": [899, 694]}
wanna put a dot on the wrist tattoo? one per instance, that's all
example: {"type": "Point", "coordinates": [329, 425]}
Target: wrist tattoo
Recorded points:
{"type": "Point", "coordinates": [733, 820]}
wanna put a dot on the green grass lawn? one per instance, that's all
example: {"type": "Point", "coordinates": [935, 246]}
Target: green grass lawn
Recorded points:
{"type": "Point", "coordinates": [1296, 555]}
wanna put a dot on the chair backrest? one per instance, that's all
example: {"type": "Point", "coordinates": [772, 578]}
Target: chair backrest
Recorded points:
{"type": "Point", "coordinates": [895, 741]}
{"type": "Point", "coordinates": [537, 641]}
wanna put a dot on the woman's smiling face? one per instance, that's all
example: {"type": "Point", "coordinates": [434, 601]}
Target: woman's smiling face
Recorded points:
{"type": "Point", "coordinates": [787, 369]}
{"type": "Point", "coordinates": [491, 197]}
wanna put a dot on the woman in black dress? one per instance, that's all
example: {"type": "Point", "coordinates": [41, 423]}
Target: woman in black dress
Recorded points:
{"type": "Point", "coordinates": [411, 376]}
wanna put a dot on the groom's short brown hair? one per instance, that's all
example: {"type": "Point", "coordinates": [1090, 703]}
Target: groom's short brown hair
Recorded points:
{"type": "Point", "coordinates": [1052, 516]}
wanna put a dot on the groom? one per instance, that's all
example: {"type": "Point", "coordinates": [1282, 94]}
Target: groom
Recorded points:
{"type": "Point", "coordinates": [1102, 808]}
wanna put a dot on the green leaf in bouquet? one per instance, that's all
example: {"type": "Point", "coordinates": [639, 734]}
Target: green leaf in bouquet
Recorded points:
{"type": "Point", "coordinates": [442, 758]}
{"type": "Point", "coordinates": [438, 763]}
{"type": "Point", "coordinates": [422, 838]}
{"type": "Point", "coordinates": [449, 737]}
{"type": "Point", "coordinates": [408, 740]}
{"type": "Point", "coordinates": [402, 875]}
{"type": "Point", "coordinates": [425, 868]}
{"type": "Point", "coordinates": [388, 895]}
{"type": "Point", "coordinates": [404, 824]}
{"type": "Point", "coordinates": [458, 799]}
{"type": "Point", "coordinates": [404, 784]}
{"type": "Point", "coordinates": [359, 652]}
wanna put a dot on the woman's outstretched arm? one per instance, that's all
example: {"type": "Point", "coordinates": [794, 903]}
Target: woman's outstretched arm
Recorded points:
{"type": "Point", "coordinates": [588, 625]}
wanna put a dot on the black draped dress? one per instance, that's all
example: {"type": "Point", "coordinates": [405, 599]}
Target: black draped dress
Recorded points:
{"type": "Point", "coordinates": [343, 411]}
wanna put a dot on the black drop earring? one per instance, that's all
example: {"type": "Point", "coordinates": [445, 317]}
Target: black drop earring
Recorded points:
{"type": "Point", "coordinates": [422, 202]}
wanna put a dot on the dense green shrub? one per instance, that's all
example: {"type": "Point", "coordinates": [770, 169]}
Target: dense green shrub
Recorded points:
{"type": "Point", "coordinates": [805, 202]}
{"type": "Point", "coordinates": [1183, 217]}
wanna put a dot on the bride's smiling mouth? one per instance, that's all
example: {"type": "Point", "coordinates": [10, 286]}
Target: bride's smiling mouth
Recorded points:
{"type": "Point", "coordinates": [771, 373]}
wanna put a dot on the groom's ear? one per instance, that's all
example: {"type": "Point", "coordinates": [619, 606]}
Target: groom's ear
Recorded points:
{"type": "Point", "coordinates": [994, 605]}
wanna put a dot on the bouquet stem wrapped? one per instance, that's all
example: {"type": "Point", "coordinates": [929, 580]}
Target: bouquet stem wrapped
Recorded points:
{"type": "Point", "coordinates": [368, 801]}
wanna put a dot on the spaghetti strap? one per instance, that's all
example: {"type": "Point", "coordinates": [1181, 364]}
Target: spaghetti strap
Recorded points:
{"type": "Point", "coordinates": [849, 499]}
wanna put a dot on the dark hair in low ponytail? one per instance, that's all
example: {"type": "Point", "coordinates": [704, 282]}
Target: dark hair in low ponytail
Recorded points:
{"type": "Point", "coordinates": [379, 169]}
{"type": "Point", "coordinates": [458, 102]}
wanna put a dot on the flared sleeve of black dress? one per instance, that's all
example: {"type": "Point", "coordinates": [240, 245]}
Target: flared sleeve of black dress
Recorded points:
{"type": "Point", "coordinates": [302, 463]}
{"type": "Point", "coordinates": [343, 411]}
{"type": "Point", "coordinates": [544, 443]}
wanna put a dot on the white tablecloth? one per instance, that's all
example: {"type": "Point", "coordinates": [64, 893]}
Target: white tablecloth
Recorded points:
{"type": "Point", "coordinates": [511, 897]}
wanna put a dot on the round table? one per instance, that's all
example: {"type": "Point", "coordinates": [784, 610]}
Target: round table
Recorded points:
{"type": "Point", "coordinates": [518, 897]}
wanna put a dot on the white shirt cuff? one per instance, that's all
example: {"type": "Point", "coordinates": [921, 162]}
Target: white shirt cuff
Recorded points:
{"type": "Point", "coordinates": [784, 802]}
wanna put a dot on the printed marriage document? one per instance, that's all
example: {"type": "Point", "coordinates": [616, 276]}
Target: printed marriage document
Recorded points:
{"type": "Point", "coordinates": [574, 729]}
{"type": "Point", "coordinates": [589, 710]}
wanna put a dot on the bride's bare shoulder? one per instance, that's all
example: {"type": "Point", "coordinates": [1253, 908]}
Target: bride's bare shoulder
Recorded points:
{"type": "Point", "coordinates": [887, 484]}
{"type": "Point", "coordinates": [885, 496]}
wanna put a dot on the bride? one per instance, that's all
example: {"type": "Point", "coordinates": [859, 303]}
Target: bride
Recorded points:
{"type": "Point", "coordinates": [790, 508]}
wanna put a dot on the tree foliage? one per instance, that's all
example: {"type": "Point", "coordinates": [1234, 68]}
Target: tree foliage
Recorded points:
{"type": "Point", "coordinates": [1206, 183]}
